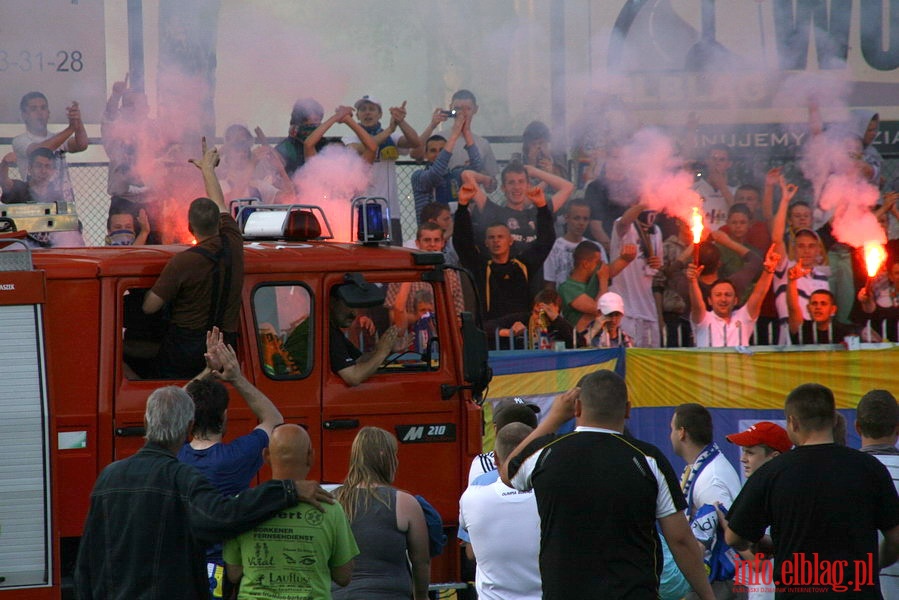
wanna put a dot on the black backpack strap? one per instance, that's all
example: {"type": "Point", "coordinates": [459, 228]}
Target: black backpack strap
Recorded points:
{"type": "Point", "coordinates": [219, 292]}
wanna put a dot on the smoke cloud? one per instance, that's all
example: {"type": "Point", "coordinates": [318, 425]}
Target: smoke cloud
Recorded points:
{"type": "Point", "coordinates": [330, 180]}
{"type": "Point", "coordinates": [658, 175]}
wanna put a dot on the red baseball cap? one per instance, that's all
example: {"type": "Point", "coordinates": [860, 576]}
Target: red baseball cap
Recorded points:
{"type": "Point", "coordinates": [764, 432]}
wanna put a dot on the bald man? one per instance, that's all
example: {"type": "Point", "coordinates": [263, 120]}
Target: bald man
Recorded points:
{"type": "Point", "coordinates": [299, 551]}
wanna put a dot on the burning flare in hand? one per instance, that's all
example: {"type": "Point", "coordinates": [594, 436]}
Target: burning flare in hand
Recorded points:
{"type": "Point", "coordinates": [874, 257]}
{"type": "Point", "coordinates": [696, 228]}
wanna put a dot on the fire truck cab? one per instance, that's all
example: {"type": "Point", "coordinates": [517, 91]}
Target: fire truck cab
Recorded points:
{"type": "Point", "coordinates": [77, 352]}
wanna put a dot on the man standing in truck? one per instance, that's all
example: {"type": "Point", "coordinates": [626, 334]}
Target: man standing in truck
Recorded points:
{"type": "Point", "coordinates": [202, 284]}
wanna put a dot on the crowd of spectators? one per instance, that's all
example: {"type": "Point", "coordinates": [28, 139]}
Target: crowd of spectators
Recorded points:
{"type": "Point", "coordinates": [771, 267]}
{"type": "Point", "coordinates": [552, 269]}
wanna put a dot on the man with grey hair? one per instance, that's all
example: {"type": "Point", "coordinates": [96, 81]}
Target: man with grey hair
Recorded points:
{"type": "Point", "coordinates": [151, 517]}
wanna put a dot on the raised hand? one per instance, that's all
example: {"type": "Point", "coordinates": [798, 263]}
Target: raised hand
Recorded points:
{"type": "Point", "coordinates": [210, 158]}
{"type": "Point", "coordinates": [144, 222]}
{"type": "Point", "coordinates": [73, 113]}
{"type": "Point", "coordinates": [693, 271]}
{"type": "Point", "coordinates": [772, 258]}
{"type": "Point", "coordinates": [628, 252]}
{"type": "Point", "coordinates": [343, 113]}
{"type": "Point", "coordinates": [398, 113]}
{"type": "Point", "coordinates": [437, 117]}
{"type": "Point", "coordinates": [788, 190]}
{"type": "Point", "coordinates": [535, 194]}
{"type": "Point", "coordinates": [798, 271]}
{"type": "Point", "coordinates": [120, 87]}
{"type": "Point", "coordinates": [226, 356]}
{"type": "Point", "coordinates": [467, 193]}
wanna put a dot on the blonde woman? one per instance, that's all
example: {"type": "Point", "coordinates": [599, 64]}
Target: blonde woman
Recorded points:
{"type": "Point", "coordinates": [388, 524]}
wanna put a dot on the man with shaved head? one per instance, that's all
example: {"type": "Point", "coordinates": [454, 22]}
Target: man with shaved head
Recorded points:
{"type": "Point", "coordinates": [599, 495]}
{"type": "Point", "coordinates": [299, 551]}
{"type": "Point", "coordinates": [503, 529]}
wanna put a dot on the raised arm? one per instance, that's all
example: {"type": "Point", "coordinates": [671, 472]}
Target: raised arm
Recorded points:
{"type": "Point", "coordinates": [264, 154]}
{"type": "Point", "coordinates": [265, 410]}
{"type": "Point", "coordinates": [7, 161]}
{"type": "Point", "coordinates": [754, 303]}
{"type": "Point", "coordinates": [312, 140]}
{"type": "Point", "coordinates": [537, 251]}
{"type": "Point", "coordinates": [866, 300]}
{"type": "Point", "coordinates": [398, 310]}
{"type": "Point", "coordinates": [479, 181]}
{"type": "Point", "coordinates": [628, 218]}
{"type": "Point", "coordinates": [75, 130]}
{"type": "Point", "coordinates": [207, 166]}
{"type": "Point", "coordinates": [80, 142]}
{"type": "Point", "coordinates": [369, 148]}
{"type": "Point", "coordinates": [779, 222]}
{"type": "Point", "coordinates": [625, 257]}
{"type": "Point", "coordinates": [772, 178]}
{"type": "Point", "coordinates": [560, 185]}
{"type": "Point", "coordinates": [561, 411]}
{"type": "Point", "coordinates": [697, 303]}
{"type": "Point", "coordinates": [143, 224]}
{"type": "Point", "coordinates": [751, 261]}
{"type": "Point", "coordinates": [410, 137]}
{"type": "Point", "coordinates": [437, 117]}
{"type": "Point", "coordinates": [463, 231]}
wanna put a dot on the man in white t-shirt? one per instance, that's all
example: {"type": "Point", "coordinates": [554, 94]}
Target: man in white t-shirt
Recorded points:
{"type": "Point", "coordinates": [504, 528]}
{"type": "Point", "coordinates": [634, 282]}
{"type": "Point", "coordinates": [717, 195]}
{"type": "Point", "coordinates": [726, 325]}
{"type": "Point", "coordinates": [709, 479]}
{"type": "Point", "coordinates": [36, 114]}
{"type": "Point", "coordinates": [560, 262]}
{"type": "Point", "coordinates": [877, 422]}
{"type": "Point", "coordinates": [505, 411]}
{"type": "Point", "coordinates": [390, 144]}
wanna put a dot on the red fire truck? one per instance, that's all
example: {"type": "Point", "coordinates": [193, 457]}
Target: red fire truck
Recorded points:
{"type": "Point", "coordinates": [76, 353]}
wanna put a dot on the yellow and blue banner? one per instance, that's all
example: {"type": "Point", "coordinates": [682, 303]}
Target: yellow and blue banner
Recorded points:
{"type": "Point", "coordinates": [739, 386]}
{"type": "Point", "coordinates": [537, 376]}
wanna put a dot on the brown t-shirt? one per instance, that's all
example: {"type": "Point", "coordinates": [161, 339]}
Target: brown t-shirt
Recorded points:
{"type": "Point", "coordinates": [186, 281]}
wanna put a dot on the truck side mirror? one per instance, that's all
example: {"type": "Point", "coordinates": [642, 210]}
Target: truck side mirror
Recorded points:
{"type": "Point", "coordinates": [475, 367]}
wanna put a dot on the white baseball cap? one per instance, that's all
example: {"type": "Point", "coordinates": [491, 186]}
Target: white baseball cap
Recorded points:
{"type": "Point", "coordinates": [367, 98]}
{"type": "Point", "coordinates": [610, 302]}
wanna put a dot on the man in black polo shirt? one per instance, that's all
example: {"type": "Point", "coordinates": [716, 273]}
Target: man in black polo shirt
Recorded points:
{"type": "Point", "coordinates": [825, 503]}
{"type": "Point", "coordinates": [347, 360]}
{"type": "Point", "coordinates": [600, 495]}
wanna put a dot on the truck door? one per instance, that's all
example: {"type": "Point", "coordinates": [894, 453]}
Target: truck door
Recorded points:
{"type": "Point", "coordinates": [25, 514]}
{"type": "Point", "coordinates": [281, 333]}
{"type": "Point", "coordinates": [404, 396]}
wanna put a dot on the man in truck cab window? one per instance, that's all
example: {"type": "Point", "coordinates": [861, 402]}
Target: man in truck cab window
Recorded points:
{"type": "Point", "coordinates": [347, 360]}
{"type": "Point", "coordinates": [202, 284]}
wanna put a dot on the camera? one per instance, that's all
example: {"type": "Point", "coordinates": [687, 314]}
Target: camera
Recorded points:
{"type": "Point", "coordinates": [449, 113]}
